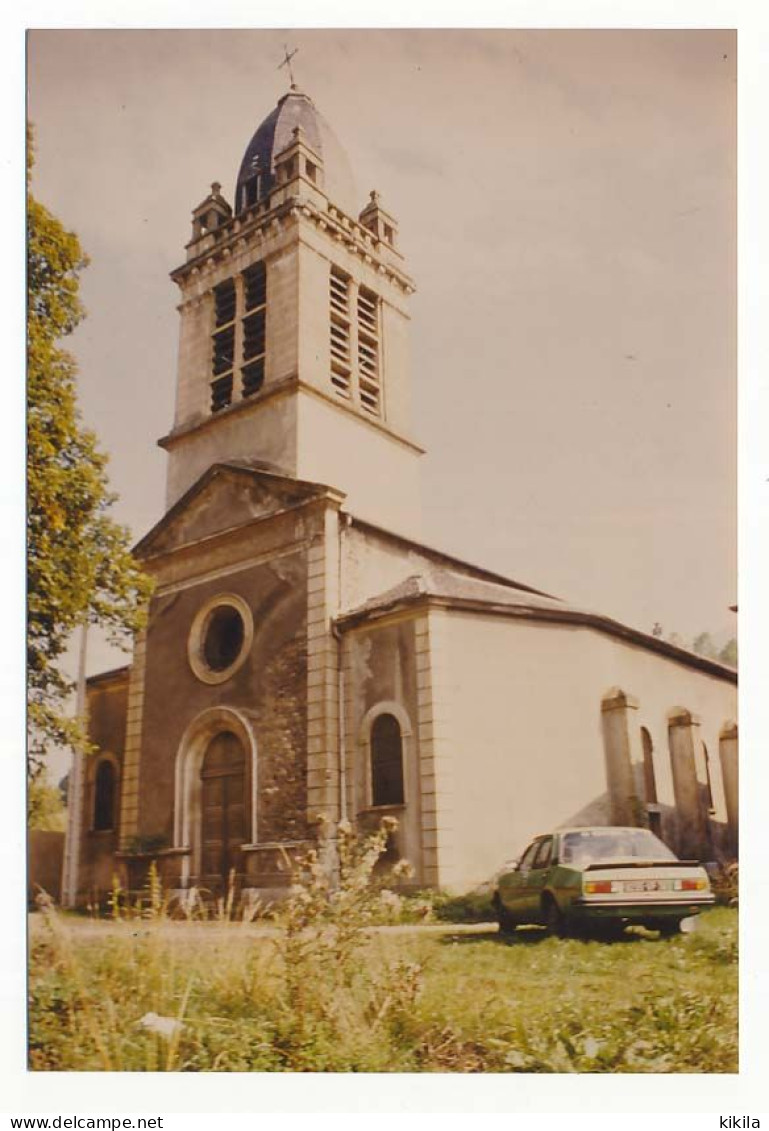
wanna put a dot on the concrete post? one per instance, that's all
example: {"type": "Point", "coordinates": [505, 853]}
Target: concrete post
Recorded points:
{"type": "Point", "coordinates": [683, 735]}
{"type": "Point", "coordinates": [71, 862]}
{"type": "Point", "coordinates": [618, 745]}
{"type": "Point", "coordinates": [728, 750]}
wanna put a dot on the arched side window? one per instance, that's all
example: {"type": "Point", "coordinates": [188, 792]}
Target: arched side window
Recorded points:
{"type": "Point", "coordinates": [386, 761]}
{"type": "Point", "coordinates": [708, 780]}
{"type": "Point", "coordinates": [653, 814]}
{"type": "Point", "coordinates": [650, 781]}
{"type": "Point", "coordinates": [104, 796]}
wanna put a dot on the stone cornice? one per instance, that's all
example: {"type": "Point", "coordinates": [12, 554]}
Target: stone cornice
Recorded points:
{"type": "Point", "coordinates": [288, 385]}
{"type": "Point", "coordinates": [356, 239]}
{"type": "Point", "coordinates": [303, 493]}
{"type": "Point", "coordinates": [233, 534]}
{"type": "Point", "coordinates": [272, 392]}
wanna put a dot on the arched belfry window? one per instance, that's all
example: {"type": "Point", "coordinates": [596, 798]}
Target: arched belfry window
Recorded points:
{"type": "Point", "coordinates": [105, 790]}
{"type": "Point", "coordinates": [386, 761]}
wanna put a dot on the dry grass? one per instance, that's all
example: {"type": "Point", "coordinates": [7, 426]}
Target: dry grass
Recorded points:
{"type": "Point", "coordinates": [318, 986]}
{"type": "Point", "coordinates": [405, 1002]}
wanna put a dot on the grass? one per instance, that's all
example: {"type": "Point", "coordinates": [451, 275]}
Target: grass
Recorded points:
{"type": "Point", "coordinates": [316, 998]}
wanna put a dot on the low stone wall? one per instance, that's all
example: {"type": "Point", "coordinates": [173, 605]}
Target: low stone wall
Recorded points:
{"type": "Point", "coordinates": [45, 859]}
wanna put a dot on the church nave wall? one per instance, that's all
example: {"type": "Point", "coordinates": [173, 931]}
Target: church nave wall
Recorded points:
{"type": "Point", "coordinates": [526, 745]}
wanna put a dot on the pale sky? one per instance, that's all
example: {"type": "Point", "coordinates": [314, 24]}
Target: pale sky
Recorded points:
{"type": "Point", "coordinates": [567, 207]}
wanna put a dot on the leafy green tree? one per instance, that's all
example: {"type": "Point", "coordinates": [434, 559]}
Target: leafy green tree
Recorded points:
{"type": "Point", "coordinates": [703, 645]}
{"type": "Point", "coordinates": [79, 565]}
{"type": "Point", "coordinates": [45, 806]}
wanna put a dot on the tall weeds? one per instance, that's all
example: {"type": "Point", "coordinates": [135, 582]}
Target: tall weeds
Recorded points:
{"type": "Point", "coordinates": [309, 986]}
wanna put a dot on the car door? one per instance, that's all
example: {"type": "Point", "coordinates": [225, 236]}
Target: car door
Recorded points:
{"type": "Point", "coordinates": [536, 880]}
{"type": "Point", "coordinates": [512, 884]}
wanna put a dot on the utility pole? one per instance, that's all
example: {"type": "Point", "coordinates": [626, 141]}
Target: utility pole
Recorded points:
{"type": "Point", "coordinates": [71, 865]}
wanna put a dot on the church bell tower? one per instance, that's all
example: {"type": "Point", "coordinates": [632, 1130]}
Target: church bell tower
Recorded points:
{"type": "Point", "coordinates": [293, 350]}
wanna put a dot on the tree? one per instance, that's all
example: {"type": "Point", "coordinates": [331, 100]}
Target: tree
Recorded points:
{"type": "Point", "coordinates": [45, 806]}
{"type": "Point", "coordinates": [79, 564]}
{"type": "Point", "coordinates": [703, 645]}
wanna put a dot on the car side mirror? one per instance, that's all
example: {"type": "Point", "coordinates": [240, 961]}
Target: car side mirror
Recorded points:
{"type": "Point", "coordinates": [510, 866]}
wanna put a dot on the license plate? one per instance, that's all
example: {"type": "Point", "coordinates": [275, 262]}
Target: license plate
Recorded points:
{"type": "Point", "coordinates": [646, 885]}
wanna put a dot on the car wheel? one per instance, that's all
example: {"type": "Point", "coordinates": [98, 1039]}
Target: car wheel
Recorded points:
{"type": "Point", "coordinates": [506, 923]}
{"type": "Point", "coordinates": [552, 918]}
{"type": "Point", "coordinates": [610, 932]}
{"type": "Point", "coordinates": [667, 929]}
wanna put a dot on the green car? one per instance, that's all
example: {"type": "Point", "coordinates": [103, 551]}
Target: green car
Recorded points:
{"type": "Point", "coordinates": [574, 880]}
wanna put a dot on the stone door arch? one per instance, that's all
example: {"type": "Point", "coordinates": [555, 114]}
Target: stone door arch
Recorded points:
{"type": "Point", "coordinates": [196, 791]}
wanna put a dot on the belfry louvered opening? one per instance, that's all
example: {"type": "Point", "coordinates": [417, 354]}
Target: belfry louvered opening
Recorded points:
{"type": "Point", "coordinates": [339, 304]}
{"type": "Point", "coordinates": [355, 358]}
{"type": "Point", "coordinates": [368, 352]}
{"type": "Point", "coordinates": [223, 345]}
{"type": "Point", "coordinates": [254, 328]}
{"type": "Point", "coordinates": [224, 302]}
{"type": "Point", "coordinates": [239, 338]}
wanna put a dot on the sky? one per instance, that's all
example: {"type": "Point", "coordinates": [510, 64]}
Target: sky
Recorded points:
{"type": "Point", "coordinates": [567, 207]}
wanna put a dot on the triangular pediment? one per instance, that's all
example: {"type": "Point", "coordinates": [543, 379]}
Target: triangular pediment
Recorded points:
{"type": "Point", "coordinates": [224, 498]}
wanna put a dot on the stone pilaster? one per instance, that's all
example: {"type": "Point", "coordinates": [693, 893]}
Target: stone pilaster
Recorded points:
{"type": "Point", "coordinates": [620, 739]}
{"type": "Point", "coordinates": [322, 673]}
{"type": "Point", "coordinates": [683, 736]}
{"type": "Point", "coordinates": [129, 789]}
{"type": "Point", "coordinates": [728, 752]}
{"type": "Point", "coordinates": [436, 753]}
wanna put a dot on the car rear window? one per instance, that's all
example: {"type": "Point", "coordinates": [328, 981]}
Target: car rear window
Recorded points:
{"type": "Point", "coordinates": [612, 844]}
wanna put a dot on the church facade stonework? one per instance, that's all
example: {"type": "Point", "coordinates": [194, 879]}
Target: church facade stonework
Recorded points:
{"type": "Point", "coordinates": [307, 658]}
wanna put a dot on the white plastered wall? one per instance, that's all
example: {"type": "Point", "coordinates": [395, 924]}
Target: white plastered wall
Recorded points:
{"type": "Point", "coordinates": [265, 431]}
{"type": "Point", "coordinates": [378, 473]}
{"type": "Point", "coordinates": [520, 704]}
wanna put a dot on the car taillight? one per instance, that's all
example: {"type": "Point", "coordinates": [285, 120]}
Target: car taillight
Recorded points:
{"type": "Point", "coordinates": [694, 885]}
{"type": "Point", "coordinates": [597, 887]}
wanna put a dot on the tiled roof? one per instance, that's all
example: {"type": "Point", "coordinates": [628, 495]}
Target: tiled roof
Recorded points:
{"type": "Point", "coordinates": [434, 581]}
{"type": "Point", "coordinates": [478, 595]}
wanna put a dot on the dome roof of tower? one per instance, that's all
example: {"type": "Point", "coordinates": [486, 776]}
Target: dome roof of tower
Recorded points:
{"type": "Point", "coordinates": [276, 131]}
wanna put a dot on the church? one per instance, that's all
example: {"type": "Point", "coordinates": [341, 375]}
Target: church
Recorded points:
{"type": "Point", "coordinates": [307, 658]}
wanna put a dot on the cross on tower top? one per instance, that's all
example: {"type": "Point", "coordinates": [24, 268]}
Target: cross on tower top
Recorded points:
{"type": "Point", "coordinates": [287, 63]}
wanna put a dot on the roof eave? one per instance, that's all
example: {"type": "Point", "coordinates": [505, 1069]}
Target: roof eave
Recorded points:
{"type": "Point", "coordinates": [574, 617]}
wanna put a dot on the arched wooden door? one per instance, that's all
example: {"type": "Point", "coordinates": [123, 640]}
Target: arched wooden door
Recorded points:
{"type": "Point", "coordinates": [224, 812]}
